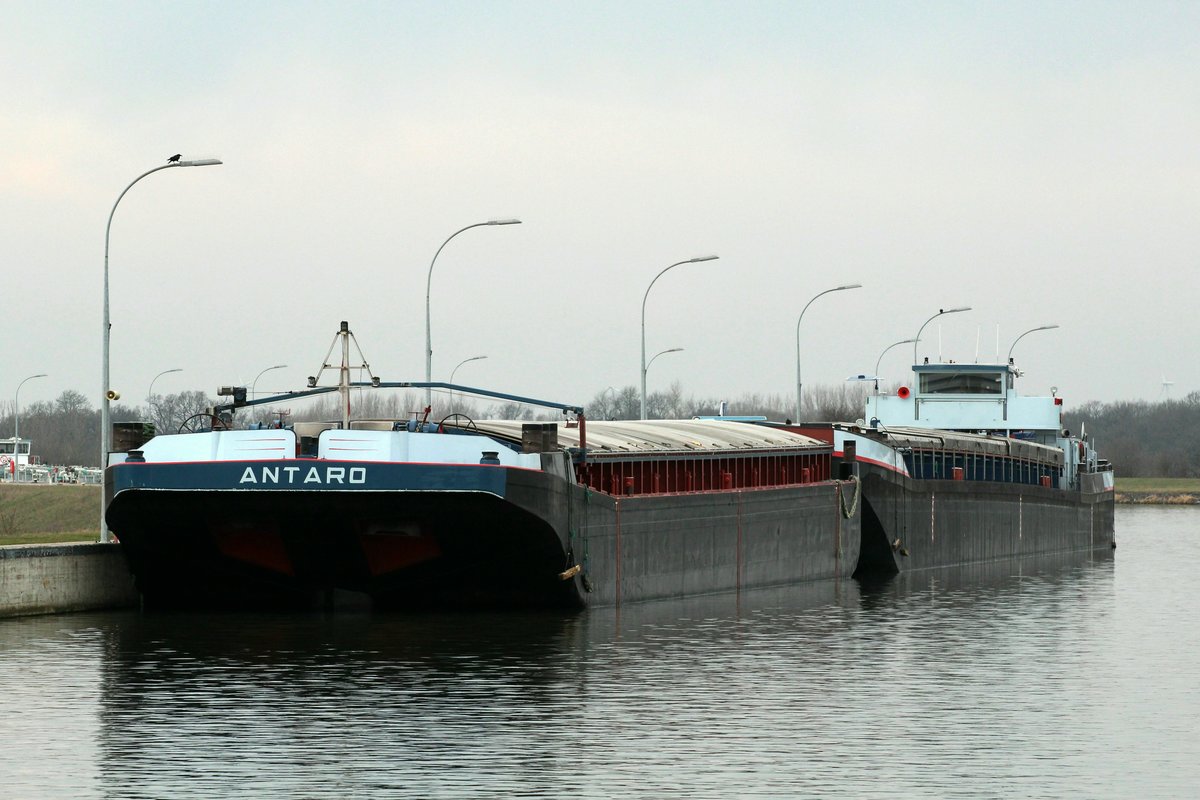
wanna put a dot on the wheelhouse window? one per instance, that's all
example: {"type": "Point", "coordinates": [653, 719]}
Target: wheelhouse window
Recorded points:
{"type": "Point", "coordinates": [961, 383]}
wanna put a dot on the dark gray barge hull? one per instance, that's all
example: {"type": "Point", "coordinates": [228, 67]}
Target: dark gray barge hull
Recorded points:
{"type": "Point", "coordinates": [540, 540]}
{"type": "Point", "coordinates": [661, 546]}
{"type": "Point", "coordinates": [920, 524]}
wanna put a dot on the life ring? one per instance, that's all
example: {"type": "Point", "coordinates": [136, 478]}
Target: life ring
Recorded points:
{"type": "Point", "coordinates": [3, 461]}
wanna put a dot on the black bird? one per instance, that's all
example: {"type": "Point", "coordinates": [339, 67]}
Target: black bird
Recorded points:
{"type": "Point", "coordinates": [175, 158]}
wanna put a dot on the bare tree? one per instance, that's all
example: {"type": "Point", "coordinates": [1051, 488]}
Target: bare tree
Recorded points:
{"type": "Point", "coordinates": [840, 403]}
{"type": "Point", "coordinates": [1140, 438]}
{"type": "Point", "coordinates": [170, 411]}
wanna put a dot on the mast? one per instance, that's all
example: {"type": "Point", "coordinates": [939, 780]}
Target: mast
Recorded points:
{"type": "Point", "coordinates": [344, 377]}
{"type": "Point", "coordinates": [343, 385]}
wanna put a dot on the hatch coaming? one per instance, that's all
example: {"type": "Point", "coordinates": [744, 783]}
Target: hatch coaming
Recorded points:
{"type": "Point", "coordinates": [335, 444]}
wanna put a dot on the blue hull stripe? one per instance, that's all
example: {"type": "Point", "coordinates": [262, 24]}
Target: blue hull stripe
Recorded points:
{"type": "Point", "coordinates": [301, 475]}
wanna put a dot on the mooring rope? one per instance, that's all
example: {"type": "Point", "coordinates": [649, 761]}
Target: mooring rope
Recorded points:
{"type": "Point", "coordinates": [849, 512]}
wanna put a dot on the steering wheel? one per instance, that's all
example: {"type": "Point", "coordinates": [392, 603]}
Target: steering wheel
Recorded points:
{"type": "Point", "coordinates": [201, 423]}
{"type": "Point", "coordinates": [468, 425]}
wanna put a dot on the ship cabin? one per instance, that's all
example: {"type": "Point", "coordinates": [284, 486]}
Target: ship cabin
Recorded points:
{"type": "Point", "coordinates": [14, 446]}
{"type": "Point", "coordinates": [968, 421]}
{"type": "Point", "coordinates": [15, 458]}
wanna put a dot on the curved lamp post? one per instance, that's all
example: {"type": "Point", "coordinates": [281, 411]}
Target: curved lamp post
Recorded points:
{"type": "Point", "coordinates": [456, 366]}
{"type": "Point", "coordinates": [879, 360]}
{"type": "Point", "coordinates": [931, 319]}
{"type": "Point", "coordinates": [656, 355]}
{"type": "Point", "coordinates": [254, 386]}
{"type": "Point", "coordinates": [799, 384]}
{"type": "Point", "coordinates": [464, 361]}
{"type": "Point", "coordinates": [662, 352]}
{"type": "Point", "coordinates": [1026, 333]}
{"type": "Point", "coordinates": [105, 425]}
{"type": "Point", "coordinates": [604, 394]}
{"type": "Point", "coordinates": [695, 260]}
{"type": "Point", "coordinates": [429, 283]}
{"type": "Point", "coordinates": [150, 394]}
{"type": "Point", "coordinates": [17, 422]}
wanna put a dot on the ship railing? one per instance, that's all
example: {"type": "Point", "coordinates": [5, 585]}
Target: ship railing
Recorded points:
{"type": "Point", "coordinates": [938, 464]}
{"type": "Point", "coordinates": [240, 399]}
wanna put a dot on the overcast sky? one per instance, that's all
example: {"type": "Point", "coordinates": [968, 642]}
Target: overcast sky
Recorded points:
{"type": "Point", "coordinates": [1039, 162]}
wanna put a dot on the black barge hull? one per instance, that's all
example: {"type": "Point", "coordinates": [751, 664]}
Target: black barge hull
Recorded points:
{"type": "Point", "coordinates": [513, 538]}
{"type": "Point", "coordinates": [918, 524]}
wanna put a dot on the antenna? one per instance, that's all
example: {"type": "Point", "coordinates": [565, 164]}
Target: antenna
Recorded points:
{"type": "Point", "coordinates": [978, 333]}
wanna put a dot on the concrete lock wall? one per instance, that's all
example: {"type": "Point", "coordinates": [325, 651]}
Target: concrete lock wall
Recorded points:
{"type": "Point", "coordinates": [55, 578]}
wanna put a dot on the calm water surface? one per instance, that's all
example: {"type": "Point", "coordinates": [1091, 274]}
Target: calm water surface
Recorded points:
{"type": "Point", "coordinates": [1073, 677]}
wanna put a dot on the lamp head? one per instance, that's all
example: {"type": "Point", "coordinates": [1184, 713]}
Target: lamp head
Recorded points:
{"type": "Point", "coordinates": [698, 259]}
{"type": "Point", "coordinates": [504, 222]}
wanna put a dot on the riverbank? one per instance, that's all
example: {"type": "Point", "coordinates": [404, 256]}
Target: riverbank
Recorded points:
{"type": "Point", "coordinates": [57, 578]}
{"type": "Point", "coordinates": [1158, 491]}
{"type": "Point", "coordinates": [49, 513]}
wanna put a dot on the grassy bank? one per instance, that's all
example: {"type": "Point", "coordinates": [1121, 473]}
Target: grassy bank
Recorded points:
{"type": "Point", "coordinates": [1159, 485]}
{"type": "Point", "coordinates": [1159, 491]}
{"type": "Point", "coordinates": [38, 514]}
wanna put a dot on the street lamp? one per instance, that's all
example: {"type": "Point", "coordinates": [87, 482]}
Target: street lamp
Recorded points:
{"type": "Point", "coordinates": [428, 283]}
{"type": "Point", "coordinates": [610, 409]}
{"type": "Point", "coordinates": [464, 361]}
{"type": "Point", "coordinates": [695, 260]}
{"type": "Point", "coordinates": [1026, 333]}
{"type": "Point", "coordinates": [656, 355]}
{"type": "Point", "coordinates": [254, 386]}
{"type": "Point", "coordinates": [17, 423]}
{"type": "Point", "coordinates": [456, 366]}
{"type": "Point", "coordinates": [799, 384]}
{"type": "Point", "coordinates": [661, 352]}
{"type": "Point", "coordinates": [106, 326]}
{"type": "Point", "coordinates": [150, 394]}
{"type": "Point", "coordinates": [879, 360]}
{"type": "Point", "coordinates": [931, 319]}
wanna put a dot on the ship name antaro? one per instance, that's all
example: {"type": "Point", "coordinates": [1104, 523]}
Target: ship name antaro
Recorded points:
{"type": "Point", "coordinates": [291, 475]}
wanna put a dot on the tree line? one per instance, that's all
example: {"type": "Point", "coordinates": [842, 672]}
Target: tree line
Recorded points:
{"type": "Point", "coordinates": [1144, 439]}
{"type": "Point", "coordinates": [1140, 438]}
{"type": "Point", "coordinates": [66, 431]}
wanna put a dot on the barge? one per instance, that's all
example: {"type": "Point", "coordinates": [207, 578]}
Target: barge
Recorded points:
{"type": "Point", "coordinates": [962, 468]}
{"type": "Point", "coordinates": [471, 513]}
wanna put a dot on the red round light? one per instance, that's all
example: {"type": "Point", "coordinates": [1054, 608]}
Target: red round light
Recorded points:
{"type": "Point", "coordinates": [902, 392]}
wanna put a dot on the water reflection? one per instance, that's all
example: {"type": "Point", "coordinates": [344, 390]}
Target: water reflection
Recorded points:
{"type": "Point", "coordinates": [1009, 679]}
{"type": "Point", "coordinates": [315, 705]}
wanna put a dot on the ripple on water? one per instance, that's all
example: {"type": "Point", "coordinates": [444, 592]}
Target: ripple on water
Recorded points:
{"type": "Point", "coordinates": [1060, 678]}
